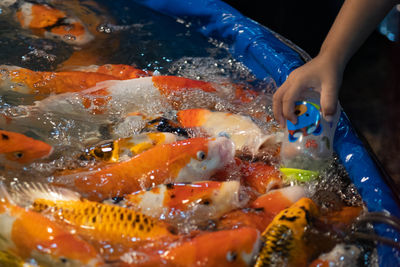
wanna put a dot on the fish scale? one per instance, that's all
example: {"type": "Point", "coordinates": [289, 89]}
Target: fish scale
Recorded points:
{"type": "Point", "coordinates": [103, 222]}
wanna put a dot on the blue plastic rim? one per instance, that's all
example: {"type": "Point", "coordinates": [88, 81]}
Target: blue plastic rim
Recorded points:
{"type": "Point", "coordinates": [267, 54]}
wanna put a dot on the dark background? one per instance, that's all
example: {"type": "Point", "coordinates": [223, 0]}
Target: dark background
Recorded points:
{"type": "Point", "coordinates": [370, 92]}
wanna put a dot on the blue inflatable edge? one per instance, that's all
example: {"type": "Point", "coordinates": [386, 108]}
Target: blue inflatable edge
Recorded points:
{"type": "Point", "coordinates": [267, 54]}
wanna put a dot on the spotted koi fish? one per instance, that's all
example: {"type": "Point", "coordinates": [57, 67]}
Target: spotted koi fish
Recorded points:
{"type": "Point", "coordinates": [221, 248]}
{"type": "Point", "coordinates": [283, 238]}
{"type": "Point", "coordinates": [246, 135]}
{"type": "Point", "coordinates": [17, 149]}
{"type": "Point", "coordinates": [188, 160]}
{"type": "Point", "coordinates": [28, 234]}
{"type": "Point", "coordinates": [26, 81]}
{"type": "Point", "coordinates": [201, 200]}
{"type": "Point", "coordinates": [125, 148]}
{"type": "Point", "coordinates": [92, 220]}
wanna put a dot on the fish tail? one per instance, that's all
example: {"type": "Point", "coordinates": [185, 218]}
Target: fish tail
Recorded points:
{"type": "Point", "coordinates": [25, 193]}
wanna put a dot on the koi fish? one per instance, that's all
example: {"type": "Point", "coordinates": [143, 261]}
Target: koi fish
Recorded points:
{"type": "Point", "coordinates": [28, 234]}
{"type": "Point", "coordinates": [17, 149]}
{"type": "Point", "coordinates": [200, 201]}
{"type": "Point", "coordinates": [188, 160]}
{"type": "Point", "coordinates": [53, 23]}
{"type": "Point", "coordinates": [92, 220]}
{"type": "Point", "coordinates": [341, 255]}
{"type": "Point", "coordinates": [125, 148]}
{"type": "Point", "coordinates": [221, 248]}
{"type": "Point", "coordinates": [261, 211]}
{"type": "Point", "coordinates": [283, 242]}
{"type": "Point", "coordinates": [246, 135]}
{"type": "Point", "coordinates": [26, 81]}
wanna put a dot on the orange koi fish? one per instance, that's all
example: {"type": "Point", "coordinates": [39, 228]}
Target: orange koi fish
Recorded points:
{"type": "Point", "coordinates": [125, 148]}
{"type": "Point", "coordinates": [188, 160]}
{"type": "Point", "coordinates": [120, 71]}
{"type": "Point", "coordinates": [53, 23]}
{"type": "Point", "coordinates": [26, 81]}
{"type": "Point", "coordinates": [262, 211]}
{"type": "Point", "coordinates": [247, 136]}
{"type": "Point", "coordinates": [221, 248]}
{"type": "Point", "coordinates": [92, 220]}
{"type": "Point", "coordinates": [283, 243]}
{"type": "Point", "coordinates": [200, 201]}
{"type": "Point", "coordinates": [31, 235]}
{"type": "Point", "coordinates": [17, 149]}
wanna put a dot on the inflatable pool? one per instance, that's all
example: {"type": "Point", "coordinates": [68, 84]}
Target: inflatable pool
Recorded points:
{"type": "Point", "coordinates": [267, 53]}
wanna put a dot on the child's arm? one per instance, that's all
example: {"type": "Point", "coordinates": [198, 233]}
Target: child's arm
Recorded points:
{"type": "Point", "coordinates": [355, 21]}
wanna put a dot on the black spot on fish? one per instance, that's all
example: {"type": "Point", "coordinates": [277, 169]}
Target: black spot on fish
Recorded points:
{"type": "Point", "coordinates": [63, 260]}
{"type": "Point", "coordinates": [206, 202]}
{"type": "Point", "coordinates": [5, 137]}
{"type": "Point", "coordinates": [19, 154]}
{"type": "Point", "coordinates": [290, 219]}
{"type": "Point", "coordinates": [146, 221]}
{"type": "Point", "coordinates": [129, 218]}
{"type": "Point", "coordinates": [259, 209]}
{"type": "Point", "coordinates": [94, 219]}
{"type": "Point", "coordinates": [121, 216]}
{"type": "Point", "coordinates": [307, 213]}
{"type": "Point", "coordinates": [170, 186]}
{"type": "Point", "coordinates": [172, 230]}
{"type": "Point", "coordinates": [137, 218]}
{"type": "Point", "coordinates": [141, 227]}
{"type": "Point", "coordinates": [172, 196]}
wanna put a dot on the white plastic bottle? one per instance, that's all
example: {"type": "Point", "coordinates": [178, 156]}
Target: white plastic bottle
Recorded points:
{"type": "Point", "coordinates": [307, 146]}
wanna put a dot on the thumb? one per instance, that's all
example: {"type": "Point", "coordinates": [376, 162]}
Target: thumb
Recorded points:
{"type": "Point", "coordinates": [329, 99]}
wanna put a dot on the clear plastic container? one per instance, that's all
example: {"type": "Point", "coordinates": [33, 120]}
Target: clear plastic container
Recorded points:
{"type": "Point", "coordinates": [308, 144]}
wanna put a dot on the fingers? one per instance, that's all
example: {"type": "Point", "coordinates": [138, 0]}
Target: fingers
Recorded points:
{"type": "Point", "coordinates": [329, 99]}
{"type": "Point", "coordinates": [277, 104]}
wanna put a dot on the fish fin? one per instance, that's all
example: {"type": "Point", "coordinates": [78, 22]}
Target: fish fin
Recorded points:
{"type": "Point", "coordinates": [4, 195]}
{"type": "Point", "coordinates": [25, 193]}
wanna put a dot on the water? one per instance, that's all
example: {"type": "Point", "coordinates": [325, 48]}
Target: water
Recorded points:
{"type": "Point", "coordinates": [127, 33]}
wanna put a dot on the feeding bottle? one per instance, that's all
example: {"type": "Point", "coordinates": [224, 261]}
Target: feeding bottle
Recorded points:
{"type": "Point", "coordinates": [307, 146]}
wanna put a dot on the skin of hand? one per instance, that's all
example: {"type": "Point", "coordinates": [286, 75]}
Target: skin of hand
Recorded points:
{"type": "Point", "coordinates": [355, 21]}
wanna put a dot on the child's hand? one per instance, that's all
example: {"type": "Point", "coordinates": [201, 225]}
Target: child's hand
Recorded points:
{"type": "Point", "coordinates": [322, 75]}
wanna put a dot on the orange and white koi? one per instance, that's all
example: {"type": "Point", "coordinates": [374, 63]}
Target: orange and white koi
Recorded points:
{"type": "Point", "coordinates": [125, 148]}
{"type": "Point", "coordinates": [92, 220]}
{"type": "Point", "coordinates": [341, 255]}
{"type": "Point", "coordinates": [17, 149]}
{"type": "Point", "coordinates": [188, 160]}
{"type": "Point", "coordinates": [283, 240]}
{"type": "Point", "coordinates": [200, 201]}
{"type": "Point", "coordinates": [221, 248]}
{"type": "Point", "coordinates": [53, 23]}
{"type": "Point", "coordinates": [246, 135]}
{"type": "Point", "coordinates": [29, 235]}
{"type": "Point", "coordinates": [261, 211]}
{"type": "Point", "coordinates": [26, 81]}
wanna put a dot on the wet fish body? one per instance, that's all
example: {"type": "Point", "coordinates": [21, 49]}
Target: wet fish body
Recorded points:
{"type": "Point", "coordinates": [31, 235]}
{"type": "Point", "coordinates": [247, 136]}
{"type": "Point", "coordinates": [198, 201]}
{"type": "Point", "coordinates": [17, 149]}
{"type": "Point", "coordinates": [283, 242]}
{"type": "Point", "coordinates": [188, 160]}
{"type": "Point", "coordinates": [92, 220]}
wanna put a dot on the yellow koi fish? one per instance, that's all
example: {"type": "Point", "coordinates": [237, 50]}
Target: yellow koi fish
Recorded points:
{"type": "Point", "coordinates": [28, 234]}
{"type": "Point", "coordinates": [125, 148]}
{"type": "Point", "coordinates": [283, 238]}
{"type": "Point", "coordinates": [92, 220]}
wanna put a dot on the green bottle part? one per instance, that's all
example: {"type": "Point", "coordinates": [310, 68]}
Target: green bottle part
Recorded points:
{"type": "Point", "coordinates": [299, 175]}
